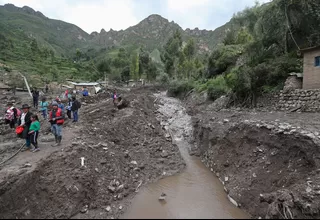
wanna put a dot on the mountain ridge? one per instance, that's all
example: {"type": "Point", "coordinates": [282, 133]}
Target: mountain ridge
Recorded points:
{"type": "Point", "coordinates": [151, 32]}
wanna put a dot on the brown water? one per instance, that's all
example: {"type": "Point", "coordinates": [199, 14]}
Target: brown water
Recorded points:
{"type": "Point", "coordinates": [195, 193]}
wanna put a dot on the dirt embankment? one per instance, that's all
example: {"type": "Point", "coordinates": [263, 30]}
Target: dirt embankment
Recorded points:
{"type": "Point", "coordinates": [121, 150]}
{"type": "Point", "coordinates": [269, 162]}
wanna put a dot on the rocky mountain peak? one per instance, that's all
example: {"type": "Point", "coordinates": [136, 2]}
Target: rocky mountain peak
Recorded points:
{"type": "Point", "coordinates": [24, 9]}
{"type": "Point", "coordinates": [103, 31]}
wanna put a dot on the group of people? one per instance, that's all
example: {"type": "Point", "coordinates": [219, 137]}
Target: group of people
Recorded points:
{"type": "Point", "coordinates": [27, 124]}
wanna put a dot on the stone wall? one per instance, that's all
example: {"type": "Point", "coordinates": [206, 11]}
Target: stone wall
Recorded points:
{"type": "Point", "coordinates": [305, 100]}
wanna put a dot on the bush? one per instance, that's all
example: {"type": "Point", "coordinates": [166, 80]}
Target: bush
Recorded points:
{"type": "Point", "coordinates": [163, 79]}
{"type": "Point", "coordinates": [180, 88]}
{"type": "Point", "coordinates": [6, 68]}
{"type": "Point", "coordinates": [217, 87]}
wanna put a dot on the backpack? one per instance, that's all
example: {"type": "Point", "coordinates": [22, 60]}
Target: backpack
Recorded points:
{"type": "Point", "coordinates": [9, 114]}
{"type": "Point", "coordinates": [78, 104]}
{"type": "Point", "coordinates": [18, 113]}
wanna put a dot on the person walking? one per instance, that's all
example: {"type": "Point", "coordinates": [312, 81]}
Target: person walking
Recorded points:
{"type": "Point", "coordinates": [85, 92]}
{"type": "Point", "coordinates": [60, 104]}
{"type": "Point", "coordinates": [25, 122]}
{"type": "Point", "coordinates": [35, 96]}
{"type": "Point", "coordinates": [68, 107]}
{"type": "Point", "coordinates": [34, 133]}
{"type": "Point", "coordinates": [47, 88]}
{"type": "Point", "coordinates": [44, 108]}
{"type": "Point", "coordinates": [114, 97]}
{"type": "Point", "coordinates": [56, 119]}
{"type": "Point", "coordinates": [12, 115]}
{"type": "Point", "coordinates": [76, 105]}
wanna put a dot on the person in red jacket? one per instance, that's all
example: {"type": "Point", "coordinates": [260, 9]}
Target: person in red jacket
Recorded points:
{"type": "Point", "coordinates": [56, 118]}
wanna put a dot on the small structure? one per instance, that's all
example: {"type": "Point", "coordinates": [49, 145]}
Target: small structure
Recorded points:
{"type": "Point", "coordinates": [311, 68]}
{"type": "Point", "coordinates": [93, 88]}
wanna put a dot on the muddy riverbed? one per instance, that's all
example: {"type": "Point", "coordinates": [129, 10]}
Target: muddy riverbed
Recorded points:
{"type": "Point", "coordinates": [194, 193]}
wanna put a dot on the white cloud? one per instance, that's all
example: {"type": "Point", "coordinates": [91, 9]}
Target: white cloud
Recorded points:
{"type": "Point", "coordinates": [205, 14]}
{"type": "Point", "coordinates": [184, 6]}
{"type": "Point", "coordinates": [89, 15]}
{"type": "Point", "coordinates": [109, 14]}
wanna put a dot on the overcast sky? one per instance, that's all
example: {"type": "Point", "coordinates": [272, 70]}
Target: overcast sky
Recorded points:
{"type": "Point", "coordinates": [93, 15]}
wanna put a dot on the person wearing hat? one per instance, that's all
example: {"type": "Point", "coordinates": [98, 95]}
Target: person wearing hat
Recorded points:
{"type": "Point", "coordinates": [25, 122]}
{"type": "Point", "coordinates": [56, 119]}
{"type": "Point", "coordinates": [60, 104]}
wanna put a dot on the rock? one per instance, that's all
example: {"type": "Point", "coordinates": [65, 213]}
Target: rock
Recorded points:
{"type": "Point", "coordinates": [134, 162]}
{"type": "Point", "coordinates": [108, 209]}
{"type": "Point", "coordinates": [120, 207]}
{"type": "Point", "coordinates": [162, 197]}
{"type": "Point", "coordinates": [164, 154]}
{"type": "Point", "coordinates": [111, 189]}
{"type": "Point", "coordinates": [233, 201]}
{"type": "Point", "coordinates": [84, 209]}
{"type": "Point", "coordinates": [226, 120]}
{"type": "Point", "coordinates": [75, 143]}
{"type": "Point", "coordinates": [120, 188]}
{"type": "Point", "coordinates": [226, 179]}
{"type": "Point", "coordinates": [27, 165]}
{"type": "Point", "coordinates": [46, 139]}
{"type": "Point", "coordinates": [104, 145]}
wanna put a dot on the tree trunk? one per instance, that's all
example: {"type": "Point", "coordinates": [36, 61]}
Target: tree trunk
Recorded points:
{"type": "Point", "coordinates": [254, 99]}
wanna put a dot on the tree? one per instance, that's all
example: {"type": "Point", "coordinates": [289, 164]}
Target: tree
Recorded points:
{"type": "Point", "coordinates": [190, 49]}
{"type": "Point", "coordinates": [152, 71]}
{"type": "Point", "coordinates": [125, 74]}
{"type": "Point", "coordinates": [134, 67]}
{"type": "Point", "coordinates": [172, 49]}
{"type": "Point", "coordinates": [78, 54]}
{"type": "Point", "coordinates": [34, 46]}
{"type": "Point", "coordinates": [103, 68]}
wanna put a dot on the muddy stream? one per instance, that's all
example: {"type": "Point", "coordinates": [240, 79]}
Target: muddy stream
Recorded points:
{"type": "Point", "coordinates": [196, 192]}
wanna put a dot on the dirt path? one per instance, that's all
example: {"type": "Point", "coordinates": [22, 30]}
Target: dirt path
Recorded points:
{"type": "Point", "coordinates": [122, 151]}
{"type": "Point", "coordinates": [28, 161]}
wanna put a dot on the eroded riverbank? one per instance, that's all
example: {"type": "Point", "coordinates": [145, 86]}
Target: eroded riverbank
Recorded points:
{"type": "Point", "coordinates": [194, 193]}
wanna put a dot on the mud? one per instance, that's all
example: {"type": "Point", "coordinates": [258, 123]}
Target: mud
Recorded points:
{"type": "Point", "coordinates": [122, 150]}
{"type": "Point", "coordinates": [196, 192]}
{"type": "Point", "coordinates": [268, 161]}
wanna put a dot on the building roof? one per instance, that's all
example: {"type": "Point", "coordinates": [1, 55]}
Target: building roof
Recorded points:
{"type": "Point", "coordinates": [85, 84]}
{"type": "Point", "coordinates": [310, 49]}
{"type": "Point", "coordinates": [299, 75]}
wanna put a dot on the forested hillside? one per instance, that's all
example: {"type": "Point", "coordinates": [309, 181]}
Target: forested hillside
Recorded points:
{"type": "Point", "coordinates": [250, 55]}
{"type": "Point", "coordinates": [257, 54]}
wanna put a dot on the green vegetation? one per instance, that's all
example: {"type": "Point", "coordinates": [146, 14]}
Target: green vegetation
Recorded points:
{"type": "Point", "coordinates": [250, 55]}
{"type": "Point", "coordinates": [257, 54]}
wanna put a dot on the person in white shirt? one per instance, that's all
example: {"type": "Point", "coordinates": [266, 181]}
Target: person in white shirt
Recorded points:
{"type": "Point", "coordinates": [25, 122]}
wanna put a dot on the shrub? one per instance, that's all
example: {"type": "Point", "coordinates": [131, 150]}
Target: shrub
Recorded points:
{"type": "Point", "coordinates": [217, 87]}
{"type": "Point", "coordinates": [180, 88]}
{"type": "Point", "coordinates": [163, 79]}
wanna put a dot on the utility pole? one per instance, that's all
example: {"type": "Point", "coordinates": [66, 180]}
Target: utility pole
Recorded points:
{"type": "Point", "coordinates": [26, 82]}
{"type": "Point", "coordinates": [105, 80]}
